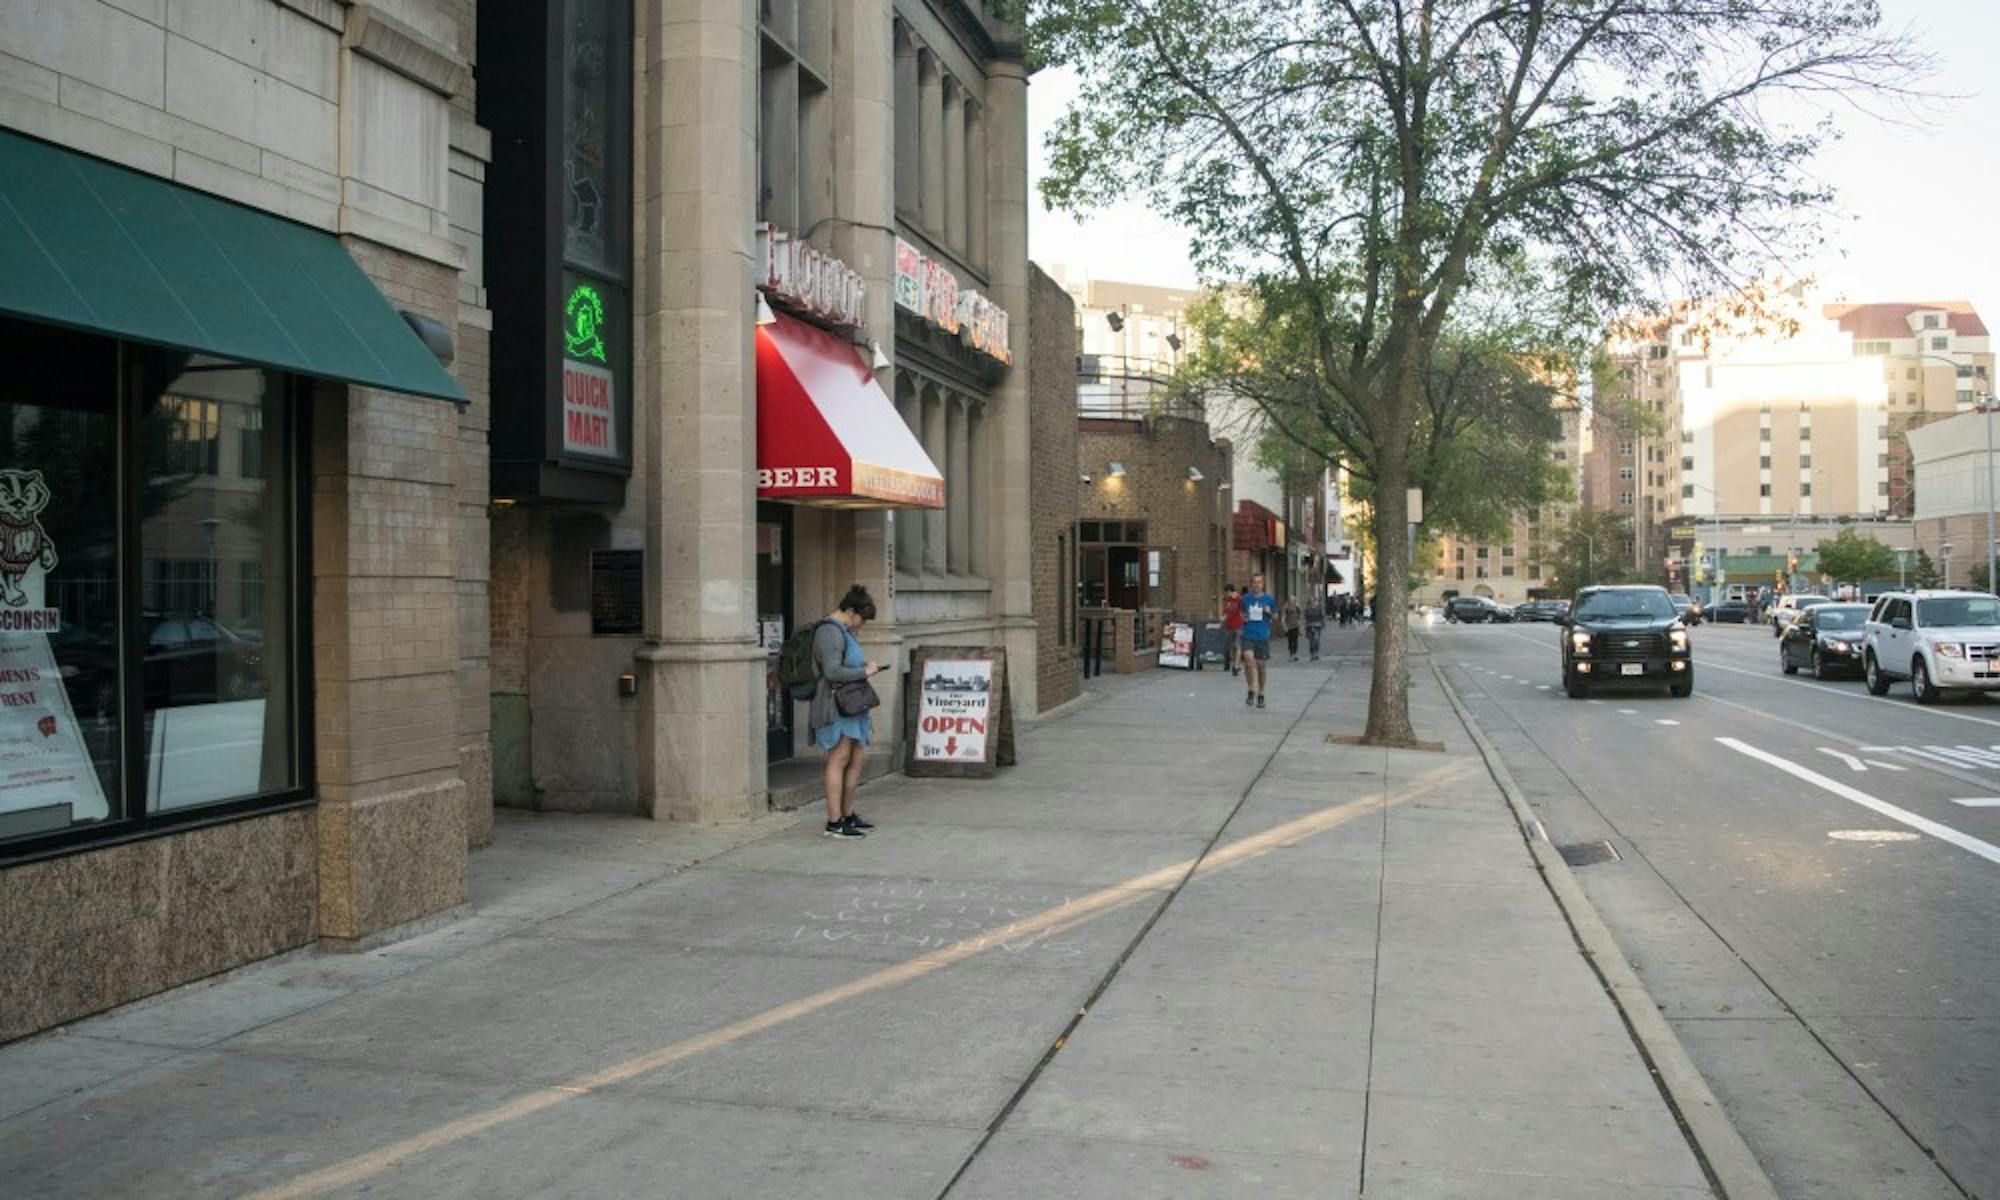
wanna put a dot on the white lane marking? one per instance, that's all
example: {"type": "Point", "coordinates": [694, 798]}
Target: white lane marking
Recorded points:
{"type": "Point", "coordinates": [1843, 692]}
{"type": "Point", "coordinates": [1944, 833]}
{"type": "Point", "coordinates": [1979, 801]}
{"type": "Point", "coordinates": [1853, 763]}
{"type": "Point", "coordinates": [1872, 835]}
{"type": "Point", "coordinates": [1542, 686]}
{"type": "Point", "coordinates": [1664, 721]}
{"type": "Point", "coordinates": [1628, 712]}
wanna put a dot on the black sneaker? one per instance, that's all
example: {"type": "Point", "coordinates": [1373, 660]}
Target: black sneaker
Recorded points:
{"type": "Point", "coordinates": [842, 829]}
{"type": "Point", "coordinates": [1260, 699]}
{"type": "Point", "coordinates": [854, 821]}
{"type": "Point", "coordinates": [1249, 698]}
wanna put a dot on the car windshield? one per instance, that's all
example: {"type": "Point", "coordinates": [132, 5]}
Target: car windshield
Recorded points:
{"type": "Point", "coordinates": [1808, 601]}
{"type": "Point", "coordinates": [1959, 610]}
{"type": "Point", "coordinates": [1840, 618]}
{"type": "Point", "coordinates": [1635, 605]}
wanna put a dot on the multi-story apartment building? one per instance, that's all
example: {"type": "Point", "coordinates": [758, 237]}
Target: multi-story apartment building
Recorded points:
{"type": "Point", "coordinates": [1515, 568]}
{"type": "Point", "coordinates": [1795, 418]}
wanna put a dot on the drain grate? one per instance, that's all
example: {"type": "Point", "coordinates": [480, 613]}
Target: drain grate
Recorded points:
{"type": "Point", "coordinates": [1584, 854]}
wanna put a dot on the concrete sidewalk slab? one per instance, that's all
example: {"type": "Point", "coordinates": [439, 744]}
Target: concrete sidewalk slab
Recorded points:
{"type": "Point", "coordinates": [1014, 983]}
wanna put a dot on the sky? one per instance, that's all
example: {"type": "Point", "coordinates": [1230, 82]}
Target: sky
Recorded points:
{"type": "Point", "coordinates": [1913, 218]}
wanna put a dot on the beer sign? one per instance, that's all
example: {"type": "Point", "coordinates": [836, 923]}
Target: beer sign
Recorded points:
{"type": "Point", "coordinates": [959, 713]}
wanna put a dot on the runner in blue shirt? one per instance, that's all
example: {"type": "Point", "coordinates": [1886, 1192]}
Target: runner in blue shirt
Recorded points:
{"type": "Point", "coordinates": [1258, 609]}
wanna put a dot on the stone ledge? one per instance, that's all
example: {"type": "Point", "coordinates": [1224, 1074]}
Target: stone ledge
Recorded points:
{"type": "Point", "coordinates": [376, 35]}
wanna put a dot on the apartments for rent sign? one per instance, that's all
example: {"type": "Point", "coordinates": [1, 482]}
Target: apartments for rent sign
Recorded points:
{"type": "Point", "coordinates": [928, 289]}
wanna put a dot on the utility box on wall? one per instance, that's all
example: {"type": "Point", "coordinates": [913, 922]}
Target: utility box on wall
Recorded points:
{"type": "Point", "coordinates": [556, 91]}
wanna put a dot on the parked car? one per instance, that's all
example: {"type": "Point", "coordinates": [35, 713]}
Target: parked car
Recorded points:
{"type": "Point", "coordinates": [1825, 639]}
{"type": "Point", "coordinates": [1625, 634]}
{"type": "Point", "coordinates": [1788, 607]}
{"type": "Point", "coordinates": [189, 659]}
{"type": "Point", "coordinates": [1503, 614]}
{"type": "Point", "coordinates": [1690, 612]}
{"type": "Point", "coordinates": [1729, 612]}
{"type": "Point", "coordinates": [1941, 641]}
{"type": "Point", "coordinates": [1472, 610]}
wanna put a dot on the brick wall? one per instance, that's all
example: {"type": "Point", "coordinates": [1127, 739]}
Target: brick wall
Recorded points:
{"type": "Point", "coordinates": [1052, 471]}
{"type": "Point", "coordinates": [1183, 516]}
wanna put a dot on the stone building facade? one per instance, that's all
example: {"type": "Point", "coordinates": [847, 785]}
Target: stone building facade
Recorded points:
{"type": "Point", "coordinates": [281, 690]}
{"type": "Point", "coordinates": [880, 147]}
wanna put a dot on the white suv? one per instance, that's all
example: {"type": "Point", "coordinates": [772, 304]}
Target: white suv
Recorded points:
{"type": "Point", "coordinates": [1940, 641]}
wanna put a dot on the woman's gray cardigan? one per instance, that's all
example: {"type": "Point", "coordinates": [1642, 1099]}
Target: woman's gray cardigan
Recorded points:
{"type": "Point", "coordinates": [830, 657]}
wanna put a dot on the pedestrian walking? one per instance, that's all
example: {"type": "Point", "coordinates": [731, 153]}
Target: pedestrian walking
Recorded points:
{"type": "Point", "coordinates": [839, 718]}
{"type": "Point", "coordinates": [1259, 610]}
{"type": "Point", "coordinates": [1232, 624]}
{"type": "Point", "coordinates": [1315, 625]}
{"type": "Point", "coordinates": [1295, 622]}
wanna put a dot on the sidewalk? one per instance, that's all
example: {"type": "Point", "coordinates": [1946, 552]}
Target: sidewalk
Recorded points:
{"type": "Point", "coordinates": [1300, 968]}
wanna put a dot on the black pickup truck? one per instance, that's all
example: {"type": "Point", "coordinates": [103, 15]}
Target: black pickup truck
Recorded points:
{"type": "Point", "coordinates": [1625, 634]}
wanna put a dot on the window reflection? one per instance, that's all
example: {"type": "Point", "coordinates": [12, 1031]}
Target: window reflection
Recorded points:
{"type": "Point", "coordinates": [216, 683]}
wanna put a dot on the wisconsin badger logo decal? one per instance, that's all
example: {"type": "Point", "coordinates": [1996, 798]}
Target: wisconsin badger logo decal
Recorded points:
{"type": "Point", "coordinates": [24, 544]}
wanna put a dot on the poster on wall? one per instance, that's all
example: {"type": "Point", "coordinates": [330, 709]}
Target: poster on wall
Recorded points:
{"type": "Point", "coordinates": [1177, 646]}
{"type": "Point", "coordinates": [959, 712]}
{"type": "Point", "coordinates": [45, 766]}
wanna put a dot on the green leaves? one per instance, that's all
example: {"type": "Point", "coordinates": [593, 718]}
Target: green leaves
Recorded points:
{"type": "Point", "coordinates": [1854, 557]}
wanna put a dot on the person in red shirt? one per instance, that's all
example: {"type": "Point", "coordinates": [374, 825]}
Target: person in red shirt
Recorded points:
{"type": "Point", "coordinates": [1232, 623]}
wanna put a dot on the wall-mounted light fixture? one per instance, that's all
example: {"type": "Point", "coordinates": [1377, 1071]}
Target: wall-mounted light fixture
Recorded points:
{"type": "Point", "coordinates": [1117, 470]}
{"type": "Point", "coordinates": [1116, 320]}
{"type": "Point", "coordinates": [1194, 473]}
{"type": "Point", "coordinates": [764, 314]}
{"type": "Point", "coordinates": [1084, 477]}
{"type": "Point", "coordinates": [1174, 340]}
{"type": "Point", "coordinates": [881, 360]}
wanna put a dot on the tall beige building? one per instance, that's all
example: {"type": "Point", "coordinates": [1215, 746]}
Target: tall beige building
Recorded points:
{"type": "Point", "coordinates": [1793, 421]}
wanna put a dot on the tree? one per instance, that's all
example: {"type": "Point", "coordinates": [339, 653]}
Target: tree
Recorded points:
{"type": "Point", "coordinates": [1371, 170]}
{"type": "Point", "coordinates": [1586, 551]}
{"type": "Point", "coordinates": [1925, 574]}
{"type": "Point", "coordinates": [1852, 557]}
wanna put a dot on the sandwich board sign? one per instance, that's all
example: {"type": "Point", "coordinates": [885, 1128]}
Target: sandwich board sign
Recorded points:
{"type": "Point", "coordinates": [1177, 646]}
{"type": "Point", "coordinates": [959, 712]}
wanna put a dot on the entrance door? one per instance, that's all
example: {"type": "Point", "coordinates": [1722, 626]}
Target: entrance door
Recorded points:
{"type": "Point", "coordinates": [774, 621]}
{"type": "Point", "coordinates": [1127, 585]}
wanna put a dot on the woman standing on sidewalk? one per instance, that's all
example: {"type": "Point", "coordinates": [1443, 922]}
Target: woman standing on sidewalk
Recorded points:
{"type": "Point", "coordinates": [1315, 624]}
{"type": "Point", "coordinates": [837, 659]}
{"type": "Point", "coordinates": [1293, 621]}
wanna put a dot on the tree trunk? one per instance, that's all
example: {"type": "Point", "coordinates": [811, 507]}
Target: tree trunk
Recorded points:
{"type": "Point", "coordinates": [1389, 687]}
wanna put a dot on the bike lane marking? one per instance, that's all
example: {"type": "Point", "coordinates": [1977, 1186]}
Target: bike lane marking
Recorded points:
{"type": "Point", "coordinates": [1942, 832]}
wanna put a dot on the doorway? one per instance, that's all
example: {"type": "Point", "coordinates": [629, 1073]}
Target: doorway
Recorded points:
{"type": "Point", "coordinates": [774, 622]}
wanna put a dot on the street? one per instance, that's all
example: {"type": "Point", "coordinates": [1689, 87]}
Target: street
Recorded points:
{"type": "Point", "coordinates": [1807, 879]}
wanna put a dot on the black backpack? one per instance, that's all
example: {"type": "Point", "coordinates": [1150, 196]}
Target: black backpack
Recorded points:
{"type": "Point", "coordinates": [798, 670]}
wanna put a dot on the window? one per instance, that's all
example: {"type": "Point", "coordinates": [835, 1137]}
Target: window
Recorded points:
{"type": "Point", "coordinates": [1805, 490]}
{"type": "Point", "coordinates": [1461, 574]}
{"type": "Point", "coordinates": [1507, 569]}
{"type": "Point", "coordinates": [1881, 460]}
{"type": "Point", "coordinates": [1764, 434]}
{"type": "Point", "coordinates": [1764, 462]}
{"type": "Point", "coordinates": [1062, 590]}
{"type": "Point", "coordinates": [1625, 449]}
{"type": "Point", "coordinates": [1562, 456]}
{"type": "Point", "coordinates": [1932, 320]}
{"type": "Point", "coordinates": [172, 670]}
{"type": "Point", "coordinates": [1909, 372]}
{"type": "Point", "coordinates": [1764, 489]}
{"type": "Point", "coordinates": [1506, 552]}
{"type": "Point", "coordinates": [1805, 460]}
{"type": "Point", "coordinates": [1625, 498]}
{"type": "Point", "coordinates": [795, 116]}
{"type": "Point", "coordinates": [1687, 491]}
{"type": "Point", "coordinates": [1624, 472]}
{"type": "Point", "coordinates": [1940, 343]}
{"type": "Point", "coordinates": [1687, 463]}
{"type": "Point", "coordinates": [1882, 488]}
{"type": "Point", "coordinates": [1912, 397]}
{"type": "Point", "coordinates": [1481, 552]}
{"type": "Point", "coordinates": [1805, 433]}
{"type": "Point", "coordinates": [1479, 573]}
{"type": "Point", "coordinates": [1461, 553]}
{"type": "Point", "coordinates": [1871, 348]}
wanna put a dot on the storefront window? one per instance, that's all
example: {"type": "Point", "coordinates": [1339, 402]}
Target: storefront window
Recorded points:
{"type": "Point", "coordinates": [148, 586]}
{"type": "Point", "coordinates": [215, 532]}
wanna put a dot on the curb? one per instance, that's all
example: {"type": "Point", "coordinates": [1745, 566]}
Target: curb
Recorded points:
{"type": "Point", "coordinates": [1721, 1149]}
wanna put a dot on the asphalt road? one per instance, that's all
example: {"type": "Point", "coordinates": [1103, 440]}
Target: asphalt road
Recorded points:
{"type": "Point", "coordinates": [1808, 879]}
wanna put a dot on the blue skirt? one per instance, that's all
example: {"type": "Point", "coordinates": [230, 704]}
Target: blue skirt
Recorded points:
{"type": "Point", "coordinates": [860, 728]}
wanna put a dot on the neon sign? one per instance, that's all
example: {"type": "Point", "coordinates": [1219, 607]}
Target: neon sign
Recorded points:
{"type": "Point", "coordinates": [583, 323]}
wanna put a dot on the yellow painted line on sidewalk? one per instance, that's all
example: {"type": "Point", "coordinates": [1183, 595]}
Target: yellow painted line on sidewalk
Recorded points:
{"type": "Point", "coordinates": [1041, 925]}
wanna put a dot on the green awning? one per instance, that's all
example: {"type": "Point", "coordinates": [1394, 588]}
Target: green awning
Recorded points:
{"type": "Point", "coordinates": [93, 246]}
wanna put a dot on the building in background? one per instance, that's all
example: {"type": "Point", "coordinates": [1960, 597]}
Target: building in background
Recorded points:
{"type": "Point", "coordinates": [762, 340]}
{"type": "Point", "coordinates": [1777, 428]}
{"type": "Point", "coordinates": [1953, 472]}
{"type": "Point", "coordinates": [245, 607]}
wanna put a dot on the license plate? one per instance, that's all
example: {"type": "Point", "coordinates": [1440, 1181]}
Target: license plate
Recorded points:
{"type": "Point", "coordinates": [1632, 669]}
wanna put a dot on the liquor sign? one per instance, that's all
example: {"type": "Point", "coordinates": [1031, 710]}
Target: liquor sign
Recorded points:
{"type": "Point", "coordinates": [929, 290]}
{"type": "Point", "coordinates": [800, 275]}
{"type": "Point", "coordinates": [959, 714]}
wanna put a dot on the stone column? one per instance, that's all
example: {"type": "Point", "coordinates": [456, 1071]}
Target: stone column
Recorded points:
{"type": "Point", "coordinates": [1005, 498]}
{"type": "Point", "coordinates": [909, 173]}
{"type": "Point", "coordinates": [976, 185]}
{"type": "Point", "coordinates": [958, 497]}
{"type": "Point", "coordinates": [701, 743]}
{"type": "Point", "coordinates": [869, 63]}
{"type": "Point", "coordinates": [954, 166]}
{"type": "Point", "coordinates": [980, 557]}
{"type": "Point", "coordinates": [910, 525]}
{"type": "Point", "coordinates": [930, 138]}
{"type": "Point", "coordinates": [936, 528]}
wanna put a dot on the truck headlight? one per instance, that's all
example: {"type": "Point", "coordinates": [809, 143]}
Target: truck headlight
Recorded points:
{"type": "Point", "coordinates": [1579, 641]}
{"type": "Point", "coordinates": [1678, 639]}
{"type": "Point", "coordinates": [1949, 649]}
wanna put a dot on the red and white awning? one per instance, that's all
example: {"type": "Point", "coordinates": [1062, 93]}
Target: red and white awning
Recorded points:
{"type": "Point", "coordinates": [826, 431]}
